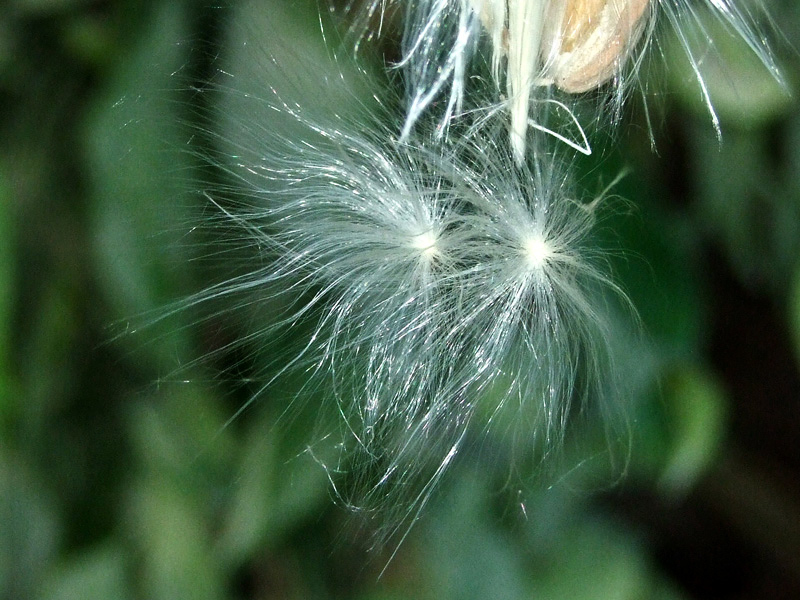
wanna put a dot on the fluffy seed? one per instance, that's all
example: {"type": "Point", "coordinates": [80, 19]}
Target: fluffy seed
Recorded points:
{"type": "Point", "coordinates": [445, 290]}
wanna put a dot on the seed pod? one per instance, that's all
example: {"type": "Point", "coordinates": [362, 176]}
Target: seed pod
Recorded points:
{"type": "Point", "coordinates": [589, 40]}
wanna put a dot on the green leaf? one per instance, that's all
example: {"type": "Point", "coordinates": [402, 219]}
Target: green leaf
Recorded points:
{"type": "Point", "coordinates": [139, 170]}
{"type": "Point", "coordinates": [273, 493]}
{"type": "Point", "coordinates": [595, 560]}
{"type": "Point", "coordinates": [181, 439]}
{"type": "Point", "coordinates": [656, 268]}
{"type": "Point", "coordinates": [29, 529]}
{"type": "Point", "coordinates": [8, 404]}
{"type": "Point", "coordinates": [463, 554]}
{"type": "Point", "coordinates": [173, 540]}
{"type": "Point", "coordinates": [696, 407]}
{"type": "Point", "coordinates": [98, 574]}
{"type": "Point", "coordinates": [743, 91]}
{"type": "Point", "coordinates": [747, 205]}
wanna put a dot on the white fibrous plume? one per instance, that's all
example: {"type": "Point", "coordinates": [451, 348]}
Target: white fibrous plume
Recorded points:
{"type": "Point", "coordinates": [538, 47]}
{"type": "Point", "coordinates": [445, 293]}
{"type": "Point", "coordinates": [444, 288]}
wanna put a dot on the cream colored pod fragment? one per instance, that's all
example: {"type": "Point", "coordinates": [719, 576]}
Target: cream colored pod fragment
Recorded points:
{"type": "Point", "coordinates": [587, 42]}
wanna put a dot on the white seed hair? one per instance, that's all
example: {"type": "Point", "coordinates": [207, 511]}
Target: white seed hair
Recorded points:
{"type": "Point", "coordinates": [575, 46]}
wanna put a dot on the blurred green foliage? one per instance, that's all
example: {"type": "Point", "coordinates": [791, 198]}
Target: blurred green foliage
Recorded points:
{"type": "Point", "coordinates": [121, 473]}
